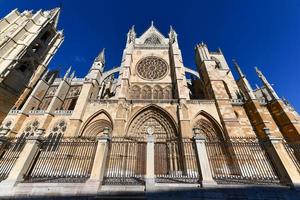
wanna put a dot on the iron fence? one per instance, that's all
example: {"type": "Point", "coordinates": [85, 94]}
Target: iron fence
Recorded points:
{"type": "Point", "coordinates": [240, 161]}
{"type": "Point", "coordinates": [175, 161]}
{"type": "Point", "coordinates": [63, 160]}
{"type": "Point", "coordinates": [9, 153]}
{"type": "Point", "coordinates": [293, 150]}
{"type": "Point", "coordinates": [126, 162]}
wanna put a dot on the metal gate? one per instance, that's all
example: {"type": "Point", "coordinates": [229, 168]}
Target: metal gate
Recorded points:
{"type": "Point", "coordinates": [63, 160]}
{"type": "Point", "coordinates": [9, 153]}
{"type": "Point", "coordinates": [126, 162]}
{"type": "Point", "coordinates": [240, 161]}
{"type": "Point", "coordinates": [175, 161]}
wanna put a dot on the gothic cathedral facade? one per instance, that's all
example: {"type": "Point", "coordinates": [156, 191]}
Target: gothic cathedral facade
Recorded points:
{"type": "Point", "coordinates": [149, 121]}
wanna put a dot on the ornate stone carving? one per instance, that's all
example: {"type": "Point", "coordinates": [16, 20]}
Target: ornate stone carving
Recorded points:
{"type": "Point", "coordinates": [152, 68]}
{"type": "Point", "coordinates": [153, 40]}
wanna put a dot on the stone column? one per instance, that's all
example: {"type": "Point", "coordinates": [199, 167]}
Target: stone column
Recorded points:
{"type": "Point", "coordinates": [281, 160]}
{"type": "Point", "coordinates": [94, 183]}
{"type": "Point", "coordinates": [100, 159]}
{"type": "Point", "coordinates": [207, 179]}
{"type": "Point", "coordinates": [24, 161]}
{"type": "Point", "coordinates": [150, 176]}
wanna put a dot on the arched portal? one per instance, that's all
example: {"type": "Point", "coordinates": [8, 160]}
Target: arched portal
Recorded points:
{"type": "Point", "coordinates": [162, 124]}
{"type": "Point", "coordinates": [96, 124]}
{"type": "Point", "coordinates": [167, 149]}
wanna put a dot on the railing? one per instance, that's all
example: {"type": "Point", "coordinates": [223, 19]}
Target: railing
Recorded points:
{"type": "Point", "coordinates": [14, 112]}
{"type": "Point", "coordinates": [293, 150]}
{"type": "Point", "coordinates": [201, 101]}
{"type": "Point", "coordinates": [9, 153]}
{"type": "Point", "coordinates": [37, 112]}
{"type": "Point", "coordinates": [263, 102]}
{"type": "Point", "coordinates": [63, 112]}
{"type": "Point", "coordinates": [172, 101]}
{"type": "Point", "coordinates": [237, 102]}
{"type": "Point", "coordinates": [176, 162]}
{"type": "Point", "coordinates": [240, 161]}
{"type": "Point", "coordinates": [126, 162]}
{"type": "Point", "coordinates": [65, 160]}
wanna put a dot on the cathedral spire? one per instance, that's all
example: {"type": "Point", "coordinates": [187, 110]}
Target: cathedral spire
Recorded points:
{"type": "Point", "coordinates": [172, 35]}
{"type": "Point", "coordinates": [266, 84]}
{"type": "Point", "coordinates": [54, 13]}
{"type": "Point", "coordinates": [101, 57]}
{"type": "Point", "coordinates": [67, 73]}
{"type": "Point", "coordinates": [131, 35]}
{"type": "Point", "coordinates": [238, 69]}
{"type": "Point", "coordinates": [244, 81]}
{"type": "Point", "coordinates": [45, 75]}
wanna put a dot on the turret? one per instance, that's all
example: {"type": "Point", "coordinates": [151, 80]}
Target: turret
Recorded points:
{"type": "Point", "coordinates": [97, 67]}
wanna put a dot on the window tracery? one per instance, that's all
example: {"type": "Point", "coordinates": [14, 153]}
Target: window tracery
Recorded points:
{"type": "Point", "coordinates": [47, 98]}
{"type": "Point", "coordinates": [152, 68]}
{"type": "Point", "coordinates": [152, 40]}
{"type": "Point", "coordinates": [207, 128]}
{"type": "Point", "coordinates": [135, 92]}
{"type": "Point", "coordinates": [31, 128]}
{"type": "Point", "coordinates": [162, 126]}
{"type": "Point", "coordinates": [59, 128]}
{"type": "Point", "coordinates": [71, 98]}
{"type": "Point", "coordinates": [146, 92]}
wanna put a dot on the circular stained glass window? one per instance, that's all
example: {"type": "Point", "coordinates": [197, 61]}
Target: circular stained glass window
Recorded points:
{"type": "Point", "coordinates": [152, 68]}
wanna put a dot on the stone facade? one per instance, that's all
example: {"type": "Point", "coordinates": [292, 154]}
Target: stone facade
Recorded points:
{"type": "Point", "coordinates": [169, 123]}
{"type": "Point", "coordinates": [28, 42]}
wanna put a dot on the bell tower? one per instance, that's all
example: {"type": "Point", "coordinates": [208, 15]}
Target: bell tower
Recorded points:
{"type": "Point", "coordinates": [28, 42]}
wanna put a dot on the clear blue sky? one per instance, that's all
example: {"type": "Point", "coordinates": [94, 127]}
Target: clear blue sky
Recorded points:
{"type": "Point", "coordinates": [256, 33]}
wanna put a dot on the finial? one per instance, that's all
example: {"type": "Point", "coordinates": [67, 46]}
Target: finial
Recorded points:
{"type": "Point", "coordinates": [101, 57]}
{"type": "Point", "coordinates": [45, 74]}
{"type": "Point", "coordinates": [72, 75]}
{"type": "Point", "coordinates": [51, 79]}
{"type": "Point", "coordinates": [219, 50]}
{"type": "Point", "coordinates": [238, 69]}
{"type": "Point", "coordinates": [67, 72]}
{"type": "Point", "coordinates": [257, 87]}
{"type": "Point", "coordinates": [152, 23]}
{"type": "Point", "coordinates": [258, 71]}
{"type": "Point", "coordinates": [266, 84]}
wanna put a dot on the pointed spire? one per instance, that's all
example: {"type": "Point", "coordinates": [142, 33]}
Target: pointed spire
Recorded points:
{"type": "Point", "coordinates": [244, 81]}
{"type": "Point", "coordinates": [55, 15]}
{"type": "Point", "coordinates": [220, 50]}
{"type": "Point", "coordinates": [67, 73]}
{"type": "Point", "coordinates": [266, 84]}
{"type": "Point", "coordinates": [172, 35]}
{"type": "Point", "coordinates": [131, 35]}
{"type": "Point", "coordinates": [101, 57]}
{"type": "Point", "coordinates": [45, 75]}
{"type": "Point", "coordinates": [72, 75]}
{"type": "Point", "coordinates": [238, 69]}
{"type": "Point", "coordinates": [51, 79]}
{"type": "Point", "coordinates": [152, 23]}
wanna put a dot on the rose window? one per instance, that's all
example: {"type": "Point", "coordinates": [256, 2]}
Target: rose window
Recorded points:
{"type": "Point", "coordinates": [152, 68]}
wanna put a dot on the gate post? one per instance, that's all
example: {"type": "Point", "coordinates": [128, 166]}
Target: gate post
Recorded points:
{"type": "Point", "coordinates": [281, 160]}
{"type": "Point", "coordinates": [25, 160]}
{"type": "Point", "coordinates": [207, 179]}
{"type": "Point", "coordinates": [100, 159]}
{"type": "Point", "coordinates": [150, 176]}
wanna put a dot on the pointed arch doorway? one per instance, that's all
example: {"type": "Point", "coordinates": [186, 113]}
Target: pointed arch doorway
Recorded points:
{"type": "Point", "coordinates": [167, 149]}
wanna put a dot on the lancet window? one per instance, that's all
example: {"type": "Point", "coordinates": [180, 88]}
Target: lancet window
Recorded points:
{"type": "Point", "coordinates": [71, 98]}
{"type": "Point", "coordinates": [47, 98]}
